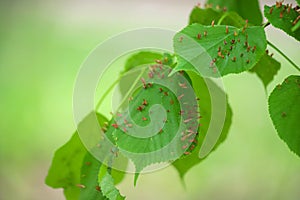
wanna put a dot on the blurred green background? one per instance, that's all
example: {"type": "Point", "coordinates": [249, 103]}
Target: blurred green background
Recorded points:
{"type": "Point", "coordinates": [42, 45]}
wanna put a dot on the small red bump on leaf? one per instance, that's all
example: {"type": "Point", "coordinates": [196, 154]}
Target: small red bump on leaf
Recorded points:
{"type": "Point", "coordinates": [166, 93]}
{"type": "Point", "coordinates": [98, 188]}
{"type": "Point", "coordinates": [140, 108]}
{"type": "Point", "coordinates": [289, 8]}
{"type": "Point", "coordinates": [115, 125]}
{"type": "Point", "coordinates": [187, 120]}
{"type": "Point", "coordinates": [144, 118]}
{"type": "Point", "coordinates": [187, 153]}
{"type": "Point", "coordinates": [296, 20]}
{"type": "Point", "coordinates": [248, 61]}
{"type": "Point", "coordinates": [81, 186]}
{"type": "Point", "coordinates": [281, 15]}
{"type": "Point", "coordinates": [234, 59]}
{"type": "Point", "coordinates": [225, 42]}
{"type": "Point", "coordinates": [213, 23]}
{"type": "Point", "coordinates": [180, 39]}
{"type": "Point", "coordinates": [205, 33]}
{"type": "Point", "coordinates": [171, 101]}
{"type": "Point", "coordinates": [158, 61]}
{"type": "Point", "coordinates": [199, 36]}
{"type": "Point", "coordinates": [182, 85]}
{"type": "Point", "coordinates": [271, 10]}
{"type": "Point", "coordinates": [160, 90]}
{"type": "Point", "coordinates": [180, 97]}
{"type": "Point", "coordinates": [88, 163]}
{"type": "Point", "coordinates": [184, 146]}
{"type": "Point", "coordinates": [227, 31]}
{"type": "Point", "coordinates": [145, 102]}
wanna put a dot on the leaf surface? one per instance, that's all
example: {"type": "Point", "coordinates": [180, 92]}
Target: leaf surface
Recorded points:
{"type": "Point", "coordinates": [284, 109]}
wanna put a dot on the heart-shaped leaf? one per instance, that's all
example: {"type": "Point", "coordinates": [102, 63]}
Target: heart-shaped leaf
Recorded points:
{"type": "Point", "coordinates": [218, 50]}
{"type": "Point", "coordinates": [284, 109]}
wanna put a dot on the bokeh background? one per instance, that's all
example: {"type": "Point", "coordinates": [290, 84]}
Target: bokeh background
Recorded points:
{"type": "Point", "coordinates": [42, 45]}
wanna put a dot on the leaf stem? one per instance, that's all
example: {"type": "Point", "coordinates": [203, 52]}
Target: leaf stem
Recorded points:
{"type": "Point", "coordinates": [222, 18]}
{"type": "Point", "coordinates": [283, 55]}
{"type": "Point", "coordinates": [114, 84]}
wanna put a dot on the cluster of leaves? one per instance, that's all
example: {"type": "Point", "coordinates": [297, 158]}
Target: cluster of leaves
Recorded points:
{"type": "Point", "coordinates": [223, 38]}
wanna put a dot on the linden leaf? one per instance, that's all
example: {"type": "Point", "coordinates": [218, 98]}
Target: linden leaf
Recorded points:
{"type": "Point", "coordinates": [266, 68]}
{"type": "Point", "coordinates": [215, 51]}
{"type": "Point", "coordinates": [90, 189]}
{"type": "Point", "coordinates": [247, 9]}
{"type": "Point", "coordinates": [65, 170]}
{"type": "Point", "coordinates": [284, 109]}
{"type": "Point", "coordinates": [206, 16]}
{"type": "Point", "coordinates": [205, 105]}
{"type": "Point", "coordinates": [285, 18]}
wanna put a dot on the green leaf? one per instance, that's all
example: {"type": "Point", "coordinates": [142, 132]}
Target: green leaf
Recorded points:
{"type": "Point", "coordinates": [201, 89]}
{"type": "Point", "coordinates": [66, 165]}
{"type": "Point", "coordinates": [210, 50]}
{"type": "Point", "coordinates": [247, 9]}
{"type": "Point", "coordinates": [90, 189]}
{"type": "Point", "coordinates": [141, 58]}
{"type": "Point", "coordinates": [65, 169]}
{"type": "Point", "coordinates": [206, 16]}
{"type": "Point", "coordinates": [107, 185]}
{"type": "Point", "coordinates": [284, 109]}
{"type": "Point", "coordinates": [135, 62]}
{"type": "Point", "coordinates": [266, 69]}
{"type": "Point", "coordinates": [154, 134]}
{"type": "Point", "coordinates": [284, 18]}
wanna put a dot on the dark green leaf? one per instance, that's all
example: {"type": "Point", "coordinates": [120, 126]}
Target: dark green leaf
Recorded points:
{"type": "Point", "coordinates": [266, 69]}
{"type": "Point", "coordinates": [206, 16]}
{"type": "Point", "coordinates": [90, 189]}
{"type": "Point", "coordinates": [247, 9]}
{"type": "Point", "coordinates": [210, 50]}
{"type": "Point", "coordinates": [284, 18]}
{"type": "Point", "coordinates": [284, 109]}
{"type": "Point", "coordinates": [201, 89]}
